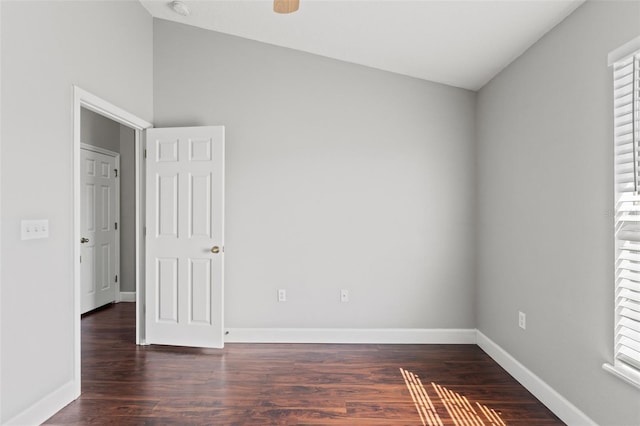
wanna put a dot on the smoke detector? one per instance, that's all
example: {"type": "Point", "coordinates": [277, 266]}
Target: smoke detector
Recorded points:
{"type": "Point", "coordinates": [180, 8]}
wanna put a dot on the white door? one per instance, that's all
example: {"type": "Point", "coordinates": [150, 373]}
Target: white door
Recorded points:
{"type": "Point", "coordinates": [185, 236]}
{"type": "Point", "coordinates": [99, 215]}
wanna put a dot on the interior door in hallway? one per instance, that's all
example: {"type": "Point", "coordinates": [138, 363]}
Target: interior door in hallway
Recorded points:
{"type": "Point", "coordinates": [99, 217]}
{"type": "Point", "coordinates": [185, 236]}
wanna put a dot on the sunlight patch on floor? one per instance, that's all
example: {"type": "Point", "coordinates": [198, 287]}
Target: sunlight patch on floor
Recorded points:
{"type": "Point", "coordinates": [458, 407]}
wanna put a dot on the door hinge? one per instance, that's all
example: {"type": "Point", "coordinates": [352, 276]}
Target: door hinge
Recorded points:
{"type": "Point", "coordinates": [116, 172]}
{"type": "Point", "coordinates": [80, 259]}
{"type": "Point", "coordinates": [145, 153]}
{"type": "Point", "coordinates": [116, 225]}
{"type": "Point", "coordinates": [116, 278]}
{"type": "Point", "coordinates": [144, 231]}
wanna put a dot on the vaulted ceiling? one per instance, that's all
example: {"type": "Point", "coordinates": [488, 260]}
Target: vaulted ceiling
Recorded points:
{"type": "Point", "coordinates": [459, 43]}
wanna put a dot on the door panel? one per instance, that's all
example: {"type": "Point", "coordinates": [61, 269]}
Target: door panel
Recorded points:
{"type": "Point", "coordinates": [185, 205]}
{"type": "Point", "coordinates": [200, 206]}
{"type": "Point", "coordinates": [99, 215]}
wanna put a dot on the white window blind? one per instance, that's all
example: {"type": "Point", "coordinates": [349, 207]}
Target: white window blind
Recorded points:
{"type": "Point", "coordinates": [626, 76]}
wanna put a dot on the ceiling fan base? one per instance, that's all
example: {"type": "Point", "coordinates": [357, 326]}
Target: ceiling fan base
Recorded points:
{"type": "Point", "coordinates": [285, 6]}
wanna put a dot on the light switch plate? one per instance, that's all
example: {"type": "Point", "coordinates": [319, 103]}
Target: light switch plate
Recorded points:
{"type": "Point", "coordinates": [34, 229]}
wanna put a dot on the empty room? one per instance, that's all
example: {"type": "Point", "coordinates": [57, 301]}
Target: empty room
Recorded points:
{"type": "Point", "coordinates": [320, 212]}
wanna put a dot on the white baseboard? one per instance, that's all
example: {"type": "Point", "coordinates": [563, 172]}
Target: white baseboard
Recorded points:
{"type": "Point", "coordinates": [46, 407]}
{"type": "Point", "coordinates": [555, 402]}
{"type": "Point", "coordinates": [127, 296]}
{"type": "Point", "coordinates": [353, 335]}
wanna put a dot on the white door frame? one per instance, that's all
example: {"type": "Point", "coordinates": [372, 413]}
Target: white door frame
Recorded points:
{"type": "Point", "coordinates": [84, 99]}
{"type": "Point", "coordinates": [116, 261]}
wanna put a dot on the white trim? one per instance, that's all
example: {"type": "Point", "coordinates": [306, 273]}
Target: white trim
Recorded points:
{"type": "Point", "coordinates": [621, 371]}
{"type": "Point", "coordinates": [560, 406]}
{"type": "Point", "coordinates": [351, 335]}
{"type": "Point", "coordinates": [0, 222]}
{"type": "Point", "coordinates": [46, 407]}
{"type": "Point", "coordinates": [140, 208]}
{"type": "Point", "coordinates": [127, 296]}
{"type": "Point", "coordinates": [99, 150]}
{"type": "Point", "coordinates": [84, 99]}
{"type": "Point", "coordinates": [624, 51]}
{"type": "Point", "coordinates": [109, 110]}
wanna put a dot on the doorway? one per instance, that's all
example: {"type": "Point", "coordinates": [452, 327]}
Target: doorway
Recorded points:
{"type": "Point", "coordinates": [87, 101]}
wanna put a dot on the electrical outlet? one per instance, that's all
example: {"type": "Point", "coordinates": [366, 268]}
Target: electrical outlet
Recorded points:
{"type": "Point", "coordinates": [522, 320]}
{"type": "Point", "coordinates": [282, 295]}
{"type": "Point", "coordinates": [344, 295]}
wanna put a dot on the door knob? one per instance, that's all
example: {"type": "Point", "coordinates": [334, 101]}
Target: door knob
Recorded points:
{"type": "Point", "coordinates": [84, 240]}
{"type": "Point", "coordinates": [215, 249]}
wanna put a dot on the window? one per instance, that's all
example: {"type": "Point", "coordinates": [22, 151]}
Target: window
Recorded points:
{"type": "Point", "coordinates": [626, 99]}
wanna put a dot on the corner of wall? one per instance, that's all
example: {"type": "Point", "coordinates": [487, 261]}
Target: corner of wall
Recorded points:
{"type": "Point", "coordinates": [558, 404]}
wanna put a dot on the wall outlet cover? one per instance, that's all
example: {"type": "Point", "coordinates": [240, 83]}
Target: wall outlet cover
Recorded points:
{"type": "Point", "coordinates": [522, 320]}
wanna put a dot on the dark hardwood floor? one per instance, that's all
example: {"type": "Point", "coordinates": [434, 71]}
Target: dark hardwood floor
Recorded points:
{"type": "Point", "coordinates": [274, 384]}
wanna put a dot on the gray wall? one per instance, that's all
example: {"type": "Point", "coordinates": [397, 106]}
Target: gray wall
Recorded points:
{"type": "Point", "coordinates": [127, 210]}
{"type": "Point", "coordinates": [338, 176]}
{"type": "Point", "coordinates": [545, 190]}
{"type": "Point", "coordinates": [46, 47]}
{"type": "Point", "coordinates": [99, 131]}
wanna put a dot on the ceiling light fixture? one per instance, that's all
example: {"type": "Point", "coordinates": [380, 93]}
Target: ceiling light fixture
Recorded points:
{"type": "Point", "coordinates": [285, 6]}
{"type": "Point", "coordinates": [180, 8]}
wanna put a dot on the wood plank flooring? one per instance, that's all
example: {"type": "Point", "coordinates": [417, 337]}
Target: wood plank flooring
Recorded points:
{"type": "Point", "coordinates": [288, 384]}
